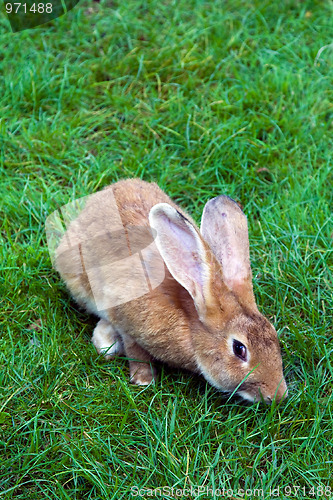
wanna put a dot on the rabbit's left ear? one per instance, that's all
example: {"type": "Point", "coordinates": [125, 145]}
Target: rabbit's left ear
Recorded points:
{"type": "Point", "coordinates": [184, 253]}
{"type": "Point", "coordinates": [224, 227]}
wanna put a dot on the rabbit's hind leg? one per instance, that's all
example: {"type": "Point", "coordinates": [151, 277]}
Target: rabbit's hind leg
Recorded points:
{"type": "Point", "coordinates": [106, 340]}
{"type": "Point", "coordinates": [142, 371]}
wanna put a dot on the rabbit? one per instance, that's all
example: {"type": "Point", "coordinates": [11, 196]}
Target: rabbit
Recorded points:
{"type": "Point", "coordinates": [165, 291]}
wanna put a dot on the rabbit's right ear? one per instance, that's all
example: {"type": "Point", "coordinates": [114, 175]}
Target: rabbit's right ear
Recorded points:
{"type": "Point", "coordinates": [224, 227]}
{"type": "Point", "coordinates": [183, 252]}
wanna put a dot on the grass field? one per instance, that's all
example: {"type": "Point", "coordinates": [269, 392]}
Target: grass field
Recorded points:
{"type": "Point", "coordinates": [204, 98]}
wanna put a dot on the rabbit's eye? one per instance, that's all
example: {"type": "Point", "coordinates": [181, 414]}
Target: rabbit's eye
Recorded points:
{"type": "Point", "coordinates": [239, 350]}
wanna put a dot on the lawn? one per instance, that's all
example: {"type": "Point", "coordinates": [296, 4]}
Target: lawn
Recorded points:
{"type": "Point", "coordinates": [204, 98]}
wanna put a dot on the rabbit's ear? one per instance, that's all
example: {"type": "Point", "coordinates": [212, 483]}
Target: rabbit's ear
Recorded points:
{"type": "Point", "coordinates": [183, 252]}
{"type": "Point", "coordinates": [224, 227]}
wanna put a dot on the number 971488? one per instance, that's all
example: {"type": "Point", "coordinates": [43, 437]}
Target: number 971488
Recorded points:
{"type": "Point", "coordinates": [40, 8]}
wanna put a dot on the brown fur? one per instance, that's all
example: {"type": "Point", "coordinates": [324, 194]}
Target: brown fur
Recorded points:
{"type": "Point", "coordinates": [165, 323]}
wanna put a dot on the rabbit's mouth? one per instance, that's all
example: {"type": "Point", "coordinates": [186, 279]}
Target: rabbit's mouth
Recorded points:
{"type": "Point", "coordinates": [250, 391]}
{"type": "Point", "coordinates": [249, 398]}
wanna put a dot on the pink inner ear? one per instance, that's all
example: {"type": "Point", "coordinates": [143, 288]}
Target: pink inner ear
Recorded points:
{"type": "Point", "coordinates": [182, 250]}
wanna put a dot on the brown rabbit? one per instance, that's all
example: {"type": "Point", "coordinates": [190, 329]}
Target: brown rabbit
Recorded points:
{"type": "Point", "coordinates": [184, 298]}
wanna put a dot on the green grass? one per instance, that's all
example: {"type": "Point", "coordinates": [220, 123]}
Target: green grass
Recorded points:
{"type": "Point", "coordinates": [204, 98]}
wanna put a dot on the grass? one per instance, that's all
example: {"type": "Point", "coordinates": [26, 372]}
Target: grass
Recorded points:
{"type": "Point", "coordinates": [203, 98]}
